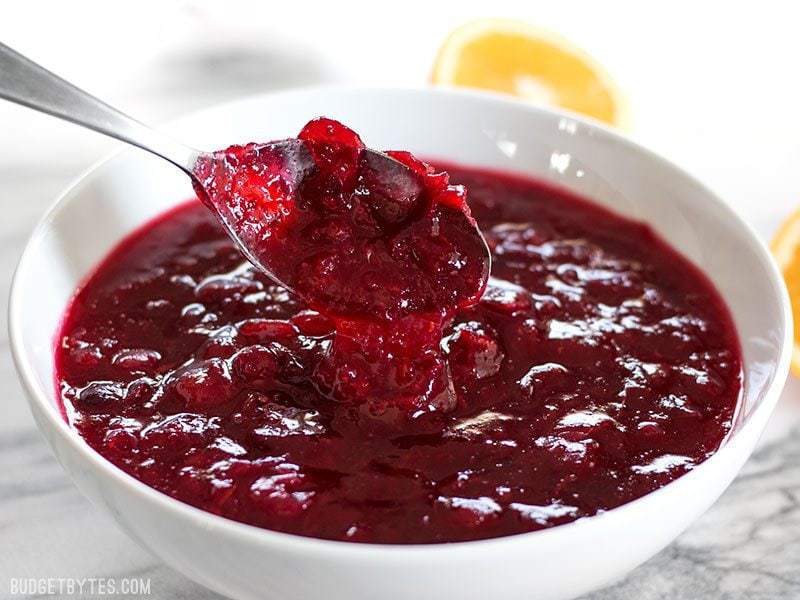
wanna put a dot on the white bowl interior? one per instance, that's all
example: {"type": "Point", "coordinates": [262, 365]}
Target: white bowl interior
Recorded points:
{"type": "Point", "coordinates": [471, 129]}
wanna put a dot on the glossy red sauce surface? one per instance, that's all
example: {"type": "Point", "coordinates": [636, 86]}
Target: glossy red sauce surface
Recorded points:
{"type": "Point", "coordinates": [598, 366]}
{"type": "Point", "coordinates": [354, 232]}
{"type": "Point", "coordinates": [380, 243]}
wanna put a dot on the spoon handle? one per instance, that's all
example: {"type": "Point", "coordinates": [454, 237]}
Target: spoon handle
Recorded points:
{"type": "Point", "coordinates": [24, 82]}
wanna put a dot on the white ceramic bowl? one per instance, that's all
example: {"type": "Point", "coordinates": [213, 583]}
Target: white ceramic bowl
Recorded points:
{"type": "Point", "coordinates": [474, 129]}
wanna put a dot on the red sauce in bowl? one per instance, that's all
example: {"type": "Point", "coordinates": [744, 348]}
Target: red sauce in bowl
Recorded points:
{"type": "Point", "coordinates": [597, 366]}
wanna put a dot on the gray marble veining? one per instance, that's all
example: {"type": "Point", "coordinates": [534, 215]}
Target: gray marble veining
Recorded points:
{"type": "Point", "coordinates": [746, 547]}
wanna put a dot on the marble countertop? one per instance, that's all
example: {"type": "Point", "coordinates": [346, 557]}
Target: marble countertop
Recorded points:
{"type": "Point", "coordinates": [746, 547]}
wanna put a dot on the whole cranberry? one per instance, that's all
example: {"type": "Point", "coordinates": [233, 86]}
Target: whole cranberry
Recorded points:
{"type": "Point", "coordinates": [204, 384]}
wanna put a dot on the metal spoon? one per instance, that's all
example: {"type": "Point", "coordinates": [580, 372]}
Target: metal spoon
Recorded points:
{"type": "Point", "coordinates": [24, 82]}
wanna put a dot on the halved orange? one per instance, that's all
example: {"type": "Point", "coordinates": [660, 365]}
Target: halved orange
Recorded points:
{"type": "Point", "coordinates": [519, 59]}
{"type": "Point", "coordinates": [786, 249]}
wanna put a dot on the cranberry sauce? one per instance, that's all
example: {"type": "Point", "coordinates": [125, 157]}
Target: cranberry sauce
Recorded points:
{"type": "Point", "coordinates": [598, 366]}
{"type": "Point", "coordinates": [380, 243]}
{"type": "Point", "coordinates": [352, 231]}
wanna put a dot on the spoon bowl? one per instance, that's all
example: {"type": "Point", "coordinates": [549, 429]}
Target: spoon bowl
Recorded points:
{"type": "Point", "coordinates": [24, 82]}
{"type": "Point", "coordinates": [295, 166]}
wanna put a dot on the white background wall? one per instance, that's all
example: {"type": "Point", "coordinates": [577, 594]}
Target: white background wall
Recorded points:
{"type": "Point", "coordinates": [713, 85]}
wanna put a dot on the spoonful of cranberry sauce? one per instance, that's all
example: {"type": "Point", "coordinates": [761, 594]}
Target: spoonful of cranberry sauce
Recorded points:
{"type": "Point", "coordinates": [355, 232]}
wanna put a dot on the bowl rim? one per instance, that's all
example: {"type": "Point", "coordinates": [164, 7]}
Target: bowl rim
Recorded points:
{"type": "Point", "coordinates": [38, 397]}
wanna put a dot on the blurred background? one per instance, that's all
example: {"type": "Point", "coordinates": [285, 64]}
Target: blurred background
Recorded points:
{"type": "Point", "coordinates": [713, 86]}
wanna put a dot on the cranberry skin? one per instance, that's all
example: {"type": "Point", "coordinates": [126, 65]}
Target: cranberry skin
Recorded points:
{"type": "Point", "coordinates": [204, 384]}
{"type": "Point", "coordinates": [419, 167]}
{"type": "Point", "coordinates": [540, 381]}
{"type": "Point", "coordinates": [327, 131]}
{"type": "Point", "coordinates": [219, 346]}
{"type": "Point", "coordinates": [120, 442]}
{"type": "Point", "coordinates": [264, 330]}
{"type": "Point", "coordinates": [390, 190]}
{"type": "Point", "coordinates": [178, 432]}
{"type": "Point", "coordinates": [256, 363]}
{"type": "Point", "coordinates": [506, 300]}
{"type": "Point", "coordinates": [473, 351]}
{"type": "Point", "coordinates": [335, 149]}
{"type": "Point", "coordinates": [140, 391]}
{"type": "Point", "coordinates": [136, 360]}
{"type": "Point", "coordinates": [101, 394]}
{"type": "Point", "coordinates": [312, 323]}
